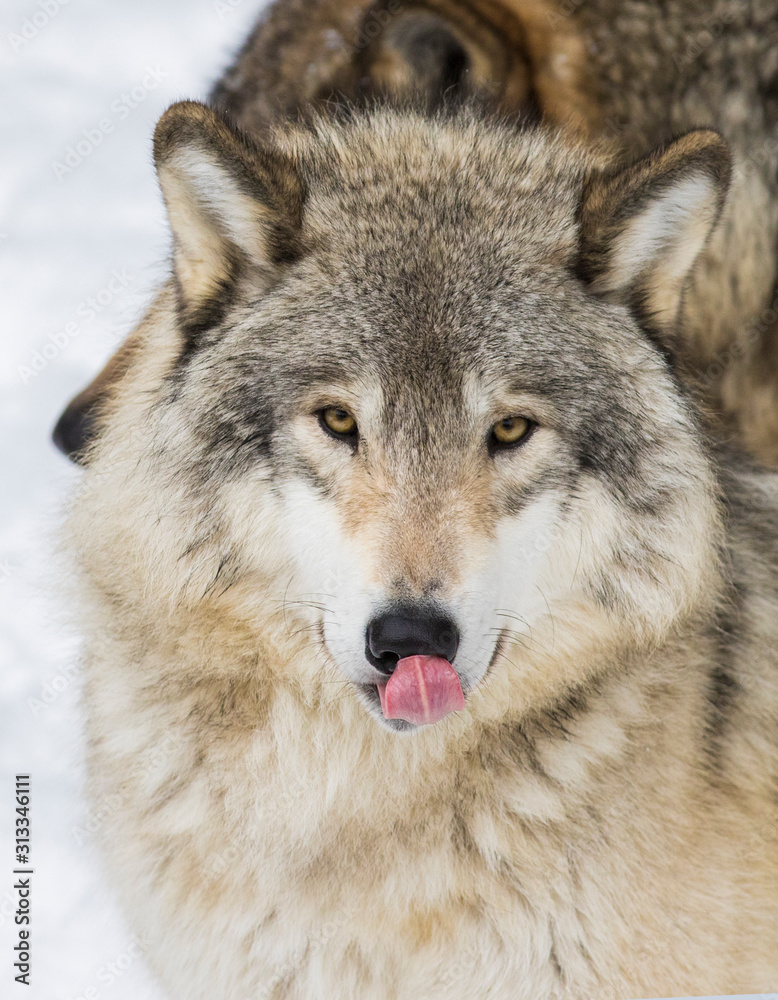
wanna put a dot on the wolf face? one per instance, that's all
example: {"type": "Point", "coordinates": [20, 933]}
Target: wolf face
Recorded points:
{"type": "Point", "coordinates": [415, 384]}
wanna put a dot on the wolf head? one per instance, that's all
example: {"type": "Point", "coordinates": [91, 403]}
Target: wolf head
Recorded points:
{"type": "Point", "coordinates": [411, 386]}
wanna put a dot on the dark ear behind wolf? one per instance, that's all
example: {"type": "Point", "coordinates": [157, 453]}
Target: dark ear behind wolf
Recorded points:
{"type": "Point", "coordinates": [579, 70]}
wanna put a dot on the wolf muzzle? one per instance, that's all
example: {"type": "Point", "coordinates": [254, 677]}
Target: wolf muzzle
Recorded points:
{"type": "Point", "coordinates": [414, 646]}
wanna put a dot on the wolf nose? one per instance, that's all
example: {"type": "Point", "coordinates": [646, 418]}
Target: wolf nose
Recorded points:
{"type": "Point", "coordinates": [409, 632]}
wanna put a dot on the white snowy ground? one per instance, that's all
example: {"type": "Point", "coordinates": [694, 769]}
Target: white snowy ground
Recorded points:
{"type": "Point", "coordinates": [62, 241]}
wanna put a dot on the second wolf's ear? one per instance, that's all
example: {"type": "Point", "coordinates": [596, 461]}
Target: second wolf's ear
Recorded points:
{"type": "Point", "coordinates": [643, 227]}
{"type": "Point", "coordinates": [232, 206]}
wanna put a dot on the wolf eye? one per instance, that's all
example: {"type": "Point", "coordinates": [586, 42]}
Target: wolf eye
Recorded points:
{"type": "Point", "coordinates": [510, 431]}
{"type": "Point", "coordinates": [338, 422]}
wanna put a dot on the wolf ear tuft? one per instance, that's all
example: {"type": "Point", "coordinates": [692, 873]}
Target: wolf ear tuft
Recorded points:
{"type": "Point", "coordinates": [232, 206]}
{"type": "Point", "coordinates": [643, 227]}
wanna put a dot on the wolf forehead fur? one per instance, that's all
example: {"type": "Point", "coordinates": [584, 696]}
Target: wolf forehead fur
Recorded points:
{"type": "Point", "coordinates": [429, 251]}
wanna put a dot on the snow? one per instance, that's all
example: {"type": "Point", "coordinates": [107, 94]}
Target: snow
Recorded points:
{"type": "Point", "coordinates": [93, 230]}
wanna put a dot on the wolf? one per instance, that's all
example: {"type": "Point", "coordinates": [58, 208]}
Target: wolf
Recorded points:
{"type": "Point", "coordinates": [430, 630]}
{"type": "Point", "coordinates": [627, 77]}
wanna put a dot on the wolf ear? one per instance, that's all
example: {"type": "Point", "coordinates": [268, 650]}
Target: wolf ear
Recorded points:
{"type": "Point", "coordinates": [232, 206]}
{"type": "Point", "coordinates": [643, 227]}
{"type": "Point", "coordinates": [442, 55]}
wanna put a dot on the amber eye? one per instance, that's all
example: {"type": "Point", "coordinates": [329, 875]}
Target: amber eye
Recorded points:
{"type": "Point", "coordinates": [510, 431]}
{"type": "Point", "coordinates": [338, 422]}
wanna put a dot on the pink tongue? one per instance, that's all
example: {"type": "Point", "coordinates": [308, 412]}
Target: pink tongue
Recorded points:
{"type": "Point", "coordinates": [422, 690]}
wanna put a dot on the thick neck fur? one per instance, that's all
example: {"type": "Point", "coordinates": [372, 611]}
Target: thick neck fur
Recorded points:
{"type": "Point", "coordinates": [250, 773]}
{"type": "Point", "coordinates": [534, 810]}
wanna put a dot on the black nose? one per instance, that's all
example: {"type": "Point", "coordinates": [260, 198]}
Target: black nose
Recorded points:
{"type": "Point", "coordinates": [409, 632]}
